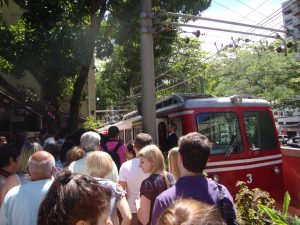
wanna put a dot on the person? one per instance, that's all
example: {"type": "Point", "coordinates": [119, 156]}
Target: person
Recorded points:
{"type": "Point", "coordinates": [75, 153]}
{"type": "Point", "coordinates": [131, 175]}
{"type": "Point", "coordinates": [99, 165]}
{"type": "Point", "coordinates": [194, 151]}
{"type": "Point", "coordinates": [114, 147]}
{"type": "Point", "coordinates": [21, 176]}
{"type": "Point", "coordinates": [75, 199]}
{"type": "Point", "coordinates": [90, 142]}
{"type": "Point", "coordinates": [9, 159]}
{"type": "Point", "coordinates": [152, 161]}
{"type": "Point", "coordinates": [2, 140]}
{"type": "Point", "coordinates": [173, 162]}
{"type": "Point", "coordinates": [190, 211]}
{"type": "Point", "coordinates": [53, 150]}
{"type": "Point", "coordinates": [172, 137]}
{"type": "Point", "coordinates": [22, 202]}
{"type": "Point", "coordinates": [130, 153]}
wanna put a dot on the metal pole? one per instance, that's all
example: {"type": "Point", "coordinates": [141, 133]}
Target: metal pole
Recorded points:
{"type": "Point", "coordinates": [147, 64]}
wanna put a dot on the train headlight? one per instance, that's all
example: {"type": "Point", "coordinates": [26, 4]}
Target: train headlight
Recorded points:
{"type": "Point", "coordinates": [236, 100]}
{"type": "Point", "coordinates": [276, 170]}
{"type": "Point", "coordinates": [216, 178]}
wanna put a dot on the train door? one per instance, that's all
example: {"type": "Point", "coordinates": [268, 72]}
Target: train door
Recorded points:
{"type": "Point", "coordinates": [161, 130]}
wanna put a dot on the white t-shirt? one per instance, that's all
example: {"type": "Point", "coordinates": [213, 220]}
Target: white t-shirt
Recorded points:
{"type": "Point", "coordinates": [80, 166]}
{"type": "Point", "coordinates": [132, 174]}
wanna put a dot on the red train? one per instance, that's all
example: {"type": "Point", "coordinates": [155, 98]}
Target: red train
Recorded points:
{"type": "Point", "coordinates": [241, 128]}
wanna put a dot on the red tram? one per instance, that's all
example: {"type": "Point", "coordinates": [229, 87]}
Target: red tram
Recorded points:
{"type": "Point", "coordinates": [241, 128]}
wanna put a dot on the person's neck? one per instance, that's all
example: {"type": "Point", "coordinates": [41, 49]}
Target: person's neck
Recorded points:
{"type": "Point", "coordinates": [189, 174]}
{"type": "Point", "coordinates": [9, 169]}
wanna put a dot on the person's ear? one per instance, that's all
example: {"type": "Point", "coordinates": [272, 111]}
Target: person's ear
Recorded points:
{"type": "Point", "coordinates": [28, 171]}
{"type": "Point", "coordinates": [179, 159]}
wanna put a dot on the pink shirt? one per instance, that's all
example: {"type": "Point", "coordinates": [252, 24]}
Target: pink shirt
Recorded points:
{"type": "Point", "coordinates": [121, 151]}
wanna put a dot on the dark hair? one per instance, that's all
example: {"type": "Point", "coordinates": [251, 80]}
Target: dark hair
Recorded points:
{"type": "Point", "coordinates": [67, 145]}
{"type": "Point", "coordinates": [129, 147]}
{"type": "Point", "coordinates": [8, 151]}
{"type": "Point", "coordinates": [73, 197]}
{"type": "Point", "coordinates": [194, 149]}
{"type": "Point", "coordinates": [53, 150]}
{"type": "Point", "coordinates": [113, 131]}
{"type": "Point", "coordinates": [141, 140]}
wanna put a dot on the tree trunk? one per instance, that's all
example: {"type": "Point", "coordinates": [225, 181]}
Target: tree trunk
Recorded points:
{"type": "Point", "coordinates": [84, 71]}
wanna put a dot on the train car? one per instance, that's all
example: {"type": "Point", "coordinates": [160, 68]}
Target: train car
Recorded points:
{"type": "Point", "coordinates": [241, 129]}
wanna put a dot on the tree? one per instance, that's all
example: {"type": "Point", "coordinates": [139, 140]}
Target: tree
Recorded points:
{"type": "Point", "coordinates": [56, 40]}
{"type": "Point", "coordinates": [257, 70]}
{"type": "Point", "coordinates": [121, 71]}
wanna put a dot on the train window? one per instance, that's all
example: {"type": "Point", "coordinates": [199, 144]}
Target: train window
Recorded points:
{"type": "Point", "coordinates": [128, 135]}
{"type": "Point", "coordinates": [222, 129]}
{"type": "Point", "coordinates": [259, 130]}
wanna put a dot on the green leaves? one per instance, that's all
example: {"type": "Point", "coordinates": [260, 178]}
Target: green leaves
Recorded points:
{"type": "Point", "coordinates": [263, 73]}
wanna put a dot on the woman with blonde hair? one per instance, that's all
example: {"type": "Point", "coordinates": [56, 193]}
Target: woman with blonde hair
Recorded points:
{"type": "Point", "coordinates": [152, 161]}
{"type": "Point", "coordinates": [99, 165]}
{"type": "Point", "coordinates": [21, 176]}
{"type": "Point", "coordinates": [173, 162]}
{"type": "Point", "coordinates": [191, 212]}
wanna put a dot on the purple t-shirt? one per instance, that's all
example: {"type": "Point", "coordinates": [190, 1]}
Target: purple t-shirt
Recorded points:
{"type": "Point", "coordinates": [154, 185]}
{"type": "Point", "coordinates": [196, 187]}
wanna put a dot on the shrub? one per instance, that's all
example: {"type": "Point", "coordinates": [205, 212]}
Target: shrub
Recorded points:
{"type": "Point", "coordinates": [247, 201]}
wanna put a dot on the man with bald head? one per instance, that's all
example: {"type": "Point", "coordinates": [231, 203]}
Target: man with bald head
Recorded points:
{"type": "Point", "coordinates": [21, 203]}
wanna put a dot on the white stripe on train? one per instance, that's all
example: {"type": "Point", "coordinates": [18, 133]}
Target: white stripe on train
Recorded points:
{"type": "Point", "coordinates": [243, 167]}
{"type": "Point", "coordinates": [244, 160]}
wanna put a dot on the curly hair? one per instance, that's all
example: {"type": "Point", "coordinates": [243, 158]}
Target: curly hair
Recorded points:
{"type": "Point", "coordinates": [73, 197]}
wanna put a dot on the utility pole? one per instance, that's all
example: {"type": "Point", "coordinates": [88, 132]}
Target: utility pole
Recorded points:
{"type": "Point", "coordinates": [147, 64]}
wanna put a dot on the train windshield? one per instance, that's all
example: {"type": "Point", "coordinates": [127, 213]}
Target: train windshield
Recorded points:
{"type": "Point", "coordinates": [259, 130]}
{"type": "Point", "coordinates": [223, 130]}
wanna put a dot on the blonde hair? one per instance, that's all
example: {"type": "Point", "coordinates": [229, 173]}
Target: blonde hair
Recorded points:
{"type": "Point", "coordinates": [173, 162]}
{"type": "Point", "coordinates": [190, 212]}
{"type": "Point", "coordinates": [74, 154]}
{"type": "Point", "coordinates": [27, 150]}
{"type": "Point", "coordinates": [153, 154]}
{"type": "Point", "coordinates": [99, 164]}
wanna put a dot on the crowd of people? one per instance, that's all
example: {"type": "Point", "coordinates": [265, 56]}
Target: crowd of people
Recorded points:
{"type": "Point", "coordinates": [89, 179]}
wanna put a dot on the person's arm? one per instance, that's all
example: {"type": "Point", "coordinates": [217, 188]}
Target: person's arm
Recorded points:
{"type": "Point", "coordinates": [143, 212]}
{"type": "Point", "coordinates": [124, 210]}
{"type": "Point", "coordinates": [11, 182]}
{"type": "Point", "coordinates": [123, 184]}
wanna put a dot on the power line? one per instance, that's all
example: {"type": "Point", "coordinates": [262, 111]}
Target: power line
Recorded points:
{"type": "Point", "coordinates": [217, 21]}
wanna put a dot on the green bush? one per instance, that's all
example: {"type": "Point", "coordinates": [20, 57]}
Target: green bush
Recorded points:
{"type": "Point", "coordinates": [91, 123]}
{"type": "Point", "coordinates": [280, 218]}
{"type": "Point", "coordinates": [247, 202]}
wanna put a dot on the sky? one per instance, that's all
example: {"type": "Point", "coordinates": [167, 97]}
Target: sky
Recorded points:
{"type": "Point", "coordinates": [266, 13]}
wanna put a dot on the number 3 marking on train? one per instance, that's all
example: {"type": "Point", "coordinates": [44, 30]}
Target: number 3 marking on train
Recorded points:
{"type": "Point", "coordinates": [249, 180]}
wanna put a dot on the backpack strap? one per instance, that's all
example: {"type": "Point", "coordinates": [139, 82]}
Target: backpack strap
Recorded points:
{"type": "Point", "coordinates": [223, 208]}
{"type": "Point", "coordinates": [117, 147]}
{"type": "Point", "coordinates": [105, 148]}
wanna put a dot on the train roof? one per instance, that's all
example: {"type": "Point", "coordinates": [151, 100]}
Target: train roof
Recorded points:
{"type": "Point", "coordinates": [179, 101]}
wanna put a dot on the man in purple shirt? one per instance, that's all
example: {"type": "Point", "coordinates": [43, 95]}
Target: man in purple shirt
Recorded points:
{"type": "Point", "coordinates": [194, 151]}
